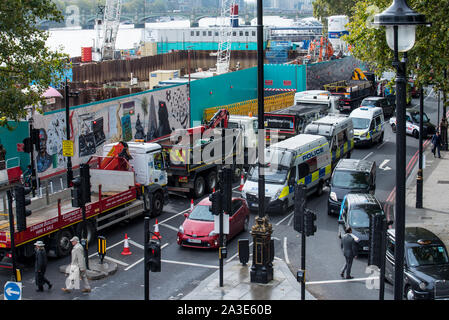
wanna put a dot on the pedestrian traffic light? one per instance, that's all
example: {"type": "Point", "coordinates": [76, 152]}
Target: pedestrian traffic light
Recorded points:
{"type": "Point", "coordinates": [77, 197]}
{"type": "Point", "coordinates": [300, 203]}
{"type": "Point", "coordinates": [377, 226]}
{"type": "Point", "coordinates": [154, 256]}
{"type": "Point", "coordinates": [21, 202]}
{"type": "Point", "coordinates": [228, 174]}
{"type": "Point", "coordinates": [85, 182]}
{"type": "Point", "coordinates": [27, 145]}
{"type": "Point", "coordinates": [216, 203]}
{"type": "Point", "coordinates": [309, 223]}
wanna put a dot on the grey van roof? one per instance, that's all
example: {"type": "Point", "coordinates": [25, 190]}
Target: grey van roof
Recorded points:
{"type": "Point", "coordinates": [332, 119]}
{"type": "Point", "coordinates": [362, 198]}
{"type": "Point", "coordinates": [354, 165]}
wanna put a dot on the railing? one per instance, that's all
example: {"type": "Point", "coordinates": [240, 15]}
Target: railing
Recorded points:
{"type": "Point", "coordinates": [272, 103]}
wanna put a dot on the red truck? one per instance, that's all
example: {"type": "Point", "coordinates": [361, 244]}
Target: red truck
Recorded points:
{"type": "Point", "coordinates": [121, 189]}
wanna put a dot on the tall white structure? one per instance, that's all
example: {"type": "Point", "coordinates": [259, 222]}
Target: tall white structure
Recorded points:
{"type": "Point", "coordinates": [336, 29]}
{"type": "Point", "coordinates": [228, 9]}
{"type": "Point", "coordinates": [106, 30]}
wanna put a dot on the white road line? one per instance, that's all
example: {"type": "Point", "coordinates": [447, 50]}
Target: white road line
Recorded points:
{"type": "Point", "coordinates": [342, 280]}
{"type": "Point", "coordinates": [140, 260]}
{"type": "Point", "coordinates": [138, 245]}
{"type": "Point", "coordinates": [116, 261]}
{"type": "Point", "coordinates": [175, 215]}
{"type": "Point", "coordinates": [169, 226]}
{"type": "Point", "coordinates": [285, 251]}
{"type": "Point", "coordinates": [284, 219]}
{"type": "Point", "coordinates": [107, 248]}
{"type": "Point", "coordinates": [191, 264]}
{"type": "Point", "coordinates": [290, 221]}
{"type": "Point", "coordinates": [369, 154]}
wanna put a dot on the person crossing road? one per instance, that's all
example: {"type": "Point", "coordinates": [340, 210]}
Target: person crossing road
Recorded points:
{"type": "Point", "coordinates": [349, 246]}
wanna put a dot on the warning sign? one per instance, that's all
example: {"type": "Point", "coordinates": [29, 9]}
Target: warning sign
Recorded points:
{"type": "Point", "coordinates": [67, 148]}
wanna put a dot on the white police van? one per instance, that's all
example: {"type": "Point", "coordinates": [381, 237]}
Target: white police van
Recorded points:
{"type": "Point", "coordinates": [302, 159]}
{"type": "Point", "coordinates": [368, 125]}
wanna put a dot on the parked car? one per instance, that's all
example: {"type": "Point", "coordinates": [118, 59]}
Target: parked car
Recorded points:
{"type": "Point", "coordinates": [350, 176]}
{"type": "Point", "coordinates": [426, 264]}
{"type": "Point", "coordinates": [355, 212]}
{"type": "Point", "coordinates": [197, 229]}
{"type": "Point", "coordinates": [381, 102]}
{"type": "Point", "coordinates": [412, 123]}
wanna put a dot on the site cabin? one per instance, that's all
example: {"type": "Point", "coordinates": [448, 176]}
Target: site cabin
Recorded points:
{"type": "Point", "coordinates": [120, 190]}
{"type": "Point", "coordinates": [350, 93]}
{"type": "Point", "coordinates": [249, 126]}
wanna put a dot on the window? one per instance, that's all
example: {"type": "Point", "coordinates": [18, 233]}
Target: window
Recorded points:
{"type": "Point", "coordinates": [204, 33]}
{"type": "Point", "coordinates": [390, 247]}
{"type": "Point", "coordinates": [236, 205]}
{"type": "Point", "coordinates": [209, 33]}
{"type": "Point", "coordinates": [192, 33]}
{"type": "Point", "coordinates": [341, 136]}
{"type": "Point", "coordinates": [253, 33]}
{"type": "Point", "coordinates": [241, 33]}
{"type": "Point", "coordinates": [246, 33]}
{"type": "Point", "coordinates": [216, 33]}
{"type": "Point", "coordinates": [303, 170]}
{"type": "Point", "coordinates": [197, 33]}
{"type": "Point", "coordinates": [292, 176]}
{"type": "Point", "coordinates": [378, 122]}
{"type": "Point", "coordinates": [158, 161]}
{"type": "Point", "coordinates": [426, 255]}
{"type": "Point", "coordinates": [407, 118]}
{"type": "Point", "coordinates": [313, 164]}
{"type": "Point", "coordinates": [371, 127]}
{"type": "Point", "coordinates": [234, 33]}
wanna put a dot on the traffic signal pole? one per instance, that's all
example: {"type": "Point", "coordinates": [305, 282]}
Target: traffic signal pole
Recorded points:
{"type": "Point", "coordinates": [11, 232]}
{"type": "Point", "coordinates": [145, 258]}
{"type": "Point", "coordinates": [303, 260]}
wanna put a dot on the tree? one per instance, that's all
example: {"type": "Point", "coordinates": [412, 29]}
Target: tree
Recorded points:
{"type": "Point", "coordinates": [325, 8]}
{"type": "Point", "coordinates": [27, 66]}
{"type": "Point", "coordinates": [427, 60]}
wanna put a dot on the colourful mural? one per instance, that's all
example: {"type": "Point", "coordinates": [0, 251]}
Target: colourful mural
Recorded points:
{"type": "Point", "coordinates": [146, 115]}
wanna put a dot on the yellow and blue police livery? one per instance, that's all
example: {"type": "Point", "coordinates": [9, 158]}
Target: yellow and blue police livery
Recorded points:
{"type": "Point", "coordinates": [368, 124]}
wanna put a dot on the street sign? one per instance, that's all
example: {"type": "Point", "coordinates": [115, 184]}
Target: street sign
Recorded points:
{"type": "Point", "coordinates": [20, 147]}
{"type": "Point", "coordinates": [13, 290]}
{"type": "Point", "coordinates": [225, 224]}
{"type": "Point", "coordinates": [67, 148]}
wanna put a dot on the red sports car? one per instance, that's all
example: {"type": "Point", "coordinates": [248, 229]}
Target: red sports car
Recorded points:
{"type": "Point", "coordinates": [198, 228]}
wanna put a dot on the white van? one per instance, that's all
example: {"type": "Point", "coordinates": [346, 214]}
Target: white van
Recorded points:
{"type": "Point", "coordinates": [368, 124]}
{"type": "Point", "coordinates": [339, 132]}
{"type": "Point", "coordinates": [303, 159]}
{"type": "Point", "coordinates": [316, 99]}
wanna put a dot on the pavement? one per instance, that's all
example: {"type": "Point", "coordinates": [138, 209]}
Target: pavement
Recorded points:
{"type": "Point", "coordinates": [237, 285]}
{"type": "Point", "coordinates": [435, 212]}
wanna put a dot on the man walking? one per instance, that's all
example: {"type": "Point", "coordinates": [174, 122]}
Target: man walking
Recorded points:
{"type": "Point", "coordinates": [436, 141]}
{"type": "Point", "coordinates": [349, 243]}
{"type": "Point", "coordinates": [79, 261]}
{"type": "Point", "coordinates": [40, 266]}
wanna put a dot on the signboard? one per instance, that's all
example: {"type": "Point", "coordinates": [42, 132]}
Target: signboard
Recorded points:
{"type": "Point", "coordinates": [13, 290]}
{"type": "Point", "coordinates": [225, 224]}
{"type": "Point", "coordinates": [20, 147]}
{"type": "Point", "coordinates": [268, 82]}
{"type": "Point", "coordinates": [67, 148]}
{"type": "Point", "coordinates": [287, 83]}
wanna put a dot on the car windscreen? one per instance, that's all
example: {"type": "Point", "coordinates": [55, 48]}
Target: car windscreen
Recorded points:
{"type": "Point", "coordinates": [426, 255]}
{"type": "Point", "coordinates": [273, 174]}
{"type": "Point", "coordinates": [201, 213]}
{"type": "Point", "coordinates": [366, 103]}
{"type": "Point", "coordinates": [359, 216]}
{"type": "Point", "coordinates": [361, 123]}
{"type": "Point", "coordinates": [350, 179]}
{"type": "Point", "coordinates": [415, 116]}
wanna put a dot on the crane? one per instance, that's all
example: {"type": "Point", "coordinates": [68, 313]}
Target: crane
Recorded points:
{"type": "Point", "coordinates": [229, 8]}
{"type": "Point", "coordinates": [107, 28]}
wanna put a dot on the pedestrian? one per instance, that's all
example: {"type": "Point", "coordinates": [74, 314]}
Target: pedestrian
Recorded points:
{"type": "Point", "coordinates": [40, 266]}
{"type": "Point", "coordinates": [349, 244]}
{"type": "Point", "coordinates": [436, 141]}
{"type": "Point", "coordinates": [78, 263]}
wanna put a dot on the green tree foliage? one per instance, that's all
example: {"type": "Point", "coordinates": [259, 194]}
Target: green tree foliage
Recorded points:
{"type": "Point", "coordinates": [24, 58]}
{"type": "Point", "coordinates": [326, 8]}
{"type": "Point", "coordinates": [427, 60]}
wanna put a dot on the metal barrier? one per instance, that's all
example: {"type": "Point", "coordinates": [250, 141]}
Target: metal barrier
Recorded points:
{"type": "Point", "coordinates": [271, 103]}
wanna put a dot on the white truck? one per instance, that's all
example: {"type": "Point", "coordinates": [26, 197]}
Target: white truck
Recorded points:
{"type": "Point", "coordinates": [249, 127]}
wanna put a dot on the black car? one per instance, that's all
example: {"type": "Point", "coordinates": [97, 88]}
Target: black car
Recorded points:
{"type": "Point", "coordinates": [426, 264]}
{"type": "Point", "coordinates": [355, 212]}
{"type": "Point", "coordinates": [386, 104]}
{"type": "Point", "coordinates": [350, 176]}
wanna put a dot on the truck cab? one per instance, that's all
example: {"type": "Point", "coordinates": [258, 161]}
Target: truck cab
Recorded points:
{"type": "Point", "coordinates": [249, 127]}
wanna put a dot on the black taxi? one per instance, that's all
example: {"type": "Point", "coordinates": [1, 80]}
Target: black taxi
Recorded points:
{"type": "Point", "coordinates": [426, 264]}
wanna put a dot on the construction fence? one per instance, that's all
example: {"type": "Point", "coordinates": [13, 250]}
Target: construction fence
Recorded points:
{"type": "Point", "coordinates": [271, 103]}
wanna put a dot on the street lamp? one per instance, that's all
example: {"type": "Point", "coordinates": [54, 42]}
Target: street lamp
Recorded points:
{"type": "Point", "coordinates": [400, 22]}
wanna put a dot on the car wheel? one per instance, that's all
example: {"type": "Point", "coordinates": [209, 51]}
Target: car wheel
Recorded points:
{"type": "Point", "coordinates": [211, 181]}
{"type": "Point", "coordinates": [199, 187]}
{"type": "Point", "coordinates": [319, 190]}
{"type": "Point", "coordinates": [416, 134]}
{"type": "Point", "coordinates": [158, 204]}
{"type": "Point", "coordinates": [63, 244]}
{"type": "Point", "coordinates": [348, 155]}
{"type": "Point", "coordinates": [246, 224]}
{"type": "Point", "coordinates": [393, 127]}
{"type": "Point", "coordinates": [381, 139]}
{"type": "Point", "coordinates": [409, 294]}
{"type": "Point", "coordinates": [329, 213]}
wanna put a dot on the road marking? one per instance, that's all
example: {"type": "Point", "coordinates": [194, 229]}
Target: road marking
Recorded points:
{"type": "Point", "coordinates": [341, 281]}
{"type": "Point", "coordinates": [116, 261]}
{"type": "Point", "coordinates": [285, 251]}
{"type": "Point", "coordinates": [383, 143]}
{"type": "Point", "coordinates": [369, 154]}
{"type": "Point", "coordinates": [138, 245]}
{"type": "Point", "coordinates": [191, 264]}
{"type": "Point", "coordinates": [290, 221]}
{"type": "Point", "coordinates": [384, 166]}
{"type": "Point", "coordinates": [140, 260]}
{"type": "Point", "coordinates": [169, 226]}
{"type": "Point", "coordinates": [284, 219]}
{"type": "Point", "coordinates": [174, 216]}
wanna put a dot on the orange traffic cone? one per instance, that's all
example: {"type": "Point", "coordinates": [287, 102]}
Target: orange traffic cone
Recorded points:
{"type": "Point", "coordinates": [126, 251]}
{"type": "Point", "coordinates": [156, 234]}
{"type": "Point", "coordinates": [242, 182]}
{"type": "Point", "coordinates": [191, 205]}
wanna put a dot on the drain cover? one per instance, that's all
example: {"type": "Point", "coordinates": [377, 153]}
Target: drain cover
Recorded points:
{"type": "Point", "coordinates": [443, 181]}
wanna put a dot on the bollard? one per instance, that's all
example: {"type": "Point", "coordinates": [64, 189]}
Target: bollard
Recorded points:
{"type": "Point", "coordinates": [62, 183]}
{"type": "Point", "coordinates": [243, 250]}
{"type": "Point", "coordinates": [51, 187]}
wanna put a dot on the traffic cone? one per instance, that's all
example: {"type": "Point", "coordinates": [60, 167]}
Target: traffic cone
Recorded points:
{"type": "Point", "coordinates": [156, 234]}
{"type": "Point", "coordinates": [191, 205]}
{"type": "Point", "coordinates": [126, 251]}
{"type": "Point", "coordinates": [242, 182]}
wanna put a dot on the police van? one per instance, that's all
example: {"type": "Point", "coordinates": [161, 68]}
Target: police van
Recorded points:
{"type": "Point", "coordinates": [302, 159]}
{"type": "Point", "coordinates": [339, 132]}
{"type": "Point", "coordinates": [368, 124]}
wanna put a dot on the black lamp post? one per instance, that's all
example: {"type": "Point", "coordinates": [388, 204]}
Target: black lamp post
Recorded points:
{"type": "Point", "coordinates": [400, 22]}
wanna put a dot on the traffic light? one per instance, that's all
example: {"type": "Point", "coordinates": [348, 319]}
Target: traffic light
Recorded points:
{"type": "Point", "coordinates": [21, 202]}
{"type": "Point", "coordinates": [300, 203]}
{"type": "Point", "coordinates": [377, 225]}
{"type": "Point", "coordinates": [227, 190]}
{"type": "Point", "coordinates": [154, 256]}
{"type": "Point", "coordinates": [77, 197]}
{"type": "Point", "coordinates": [217, 203]}
{"type": "Point", "coordinates": [27, 145]}
{"type": "Point", "coordinates": [309, 223]}
{"type": "Point", "coordinates": [85, 182]}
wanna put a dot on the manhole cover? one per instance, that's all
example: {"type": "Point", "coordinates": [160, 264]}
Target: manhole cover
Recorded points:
{"type": "Point", "coordinates": [443, 181]}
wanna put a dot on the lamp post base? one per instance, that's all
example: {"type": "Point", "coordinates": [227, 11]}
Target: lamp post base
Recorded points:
{"type": "Point", "coordinates": [263, 253]}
